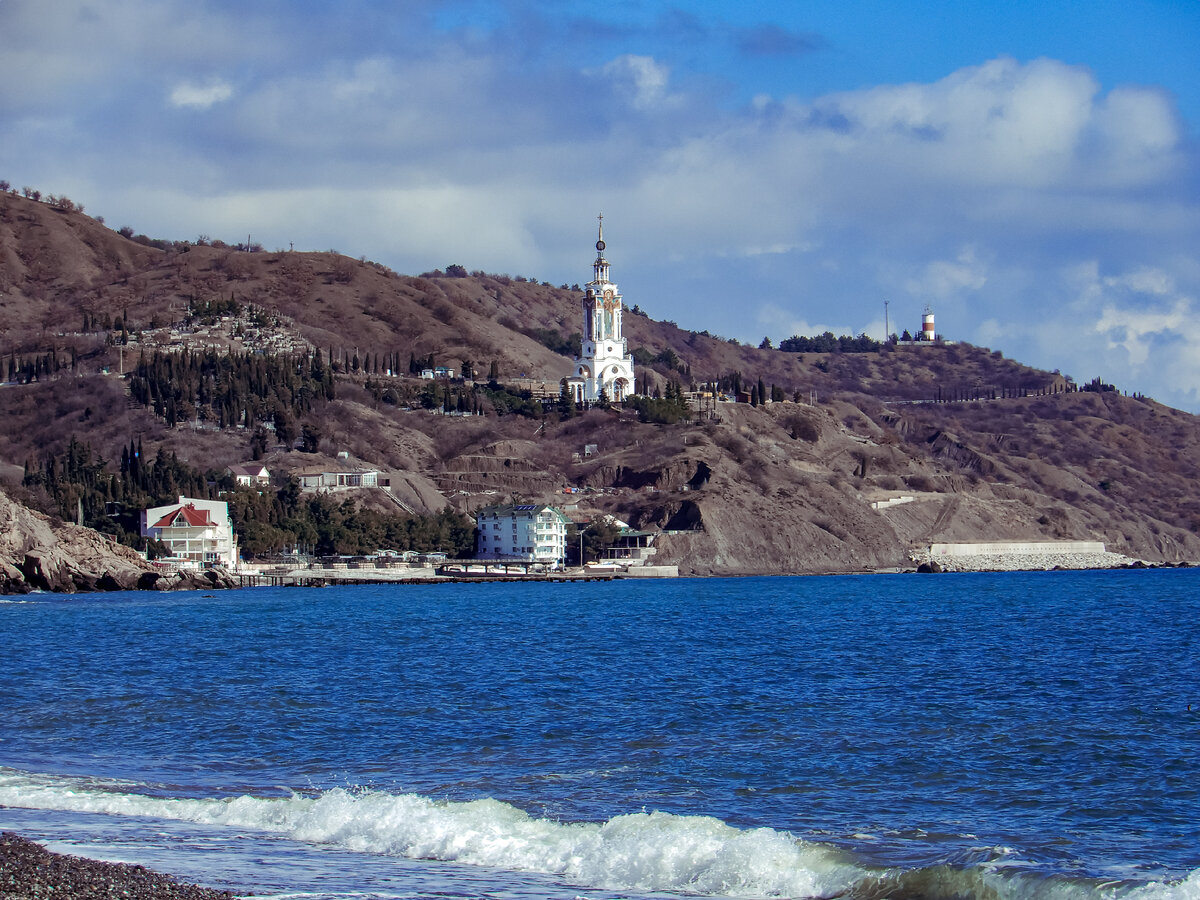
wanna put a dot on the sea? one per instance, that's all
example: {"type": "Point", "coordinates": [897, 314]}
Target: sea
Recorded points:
{"type": "Point", "coordinates": [994, 736]}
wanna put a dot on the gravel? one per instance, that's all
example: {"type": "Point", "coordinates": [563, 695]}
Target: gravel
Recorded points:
{"type": "Point", "coordinates": [28, 871]}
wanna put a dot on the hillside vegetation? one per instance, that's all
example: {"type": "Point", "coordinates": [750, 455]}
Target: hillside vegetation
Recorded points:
{"type": "Point", "coordinates": [215, 354]}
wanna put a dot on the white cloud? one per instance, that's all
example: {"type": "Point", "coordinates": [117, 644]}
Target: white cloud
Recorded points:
{"type": "Point", "coordinates": [994, 333]}
{"type": "Point", "coordinates": [1134, 330]}
{"type": "Point", "coordinates": [782, 323]}
{"type": "Point", "coordinates": [1140, 134]}
{"type": "Point", "coordinates": [1025, 188]}
{"type": "Point", "coordinates": [1144, 314]}
{"type": "Point", "coordinates": [645, 80]}
{"type": "Point", "coordinates": [945, 279]}
{"type": "Point", "coordinates": [1000, 123]}
{"type": "Point", "coordinates": [200, 96]}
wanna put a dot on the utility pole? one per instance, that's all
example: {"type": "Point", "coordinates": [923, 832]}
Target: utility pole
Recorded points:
{"type": "Point", "coordinates": [887, 329]}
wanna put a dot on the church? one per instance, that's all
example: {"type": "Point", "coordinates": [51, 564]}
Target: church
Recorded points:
{"type": "Point", "coordinates": [604, 366]}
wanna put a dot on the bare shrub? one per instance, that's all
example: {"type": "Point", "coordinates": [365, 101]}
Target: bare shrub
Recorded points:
{"type": "Point", "coordinates": [444, 312]}
{"type": "Point", "coordinates": [344, 269]}
{"type": "Point", "coordinates": [735, 444]}
{"type": "Point", "coordinates": [920, 482]}
{"type": "Point", "coordinates": [802, 428]}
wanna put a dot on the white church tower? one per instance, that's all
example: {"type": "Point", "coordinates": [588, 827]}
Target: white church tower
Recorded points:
{"type": "Point", "coordinates": [604, 363]}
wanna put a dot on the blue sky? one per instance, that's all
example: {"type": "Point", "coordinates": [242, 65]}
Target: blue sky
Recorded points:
{"type": "Point", "coordinates": [1028, 170]}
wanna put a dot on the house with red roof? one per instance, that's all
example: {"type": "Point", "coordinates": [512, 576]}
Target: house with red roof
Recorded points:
{"type": "Point", "coordinates": [197, 532]}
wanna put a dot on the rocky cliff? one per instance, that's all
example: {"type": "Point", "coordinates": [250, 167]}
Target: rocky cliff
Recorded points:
{"type": "Point", "coordinates": [38, 553]}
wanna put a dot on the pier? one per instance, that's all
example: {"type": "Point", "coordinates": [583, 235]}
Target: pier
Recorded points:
{"type": "Point", "coordinates": [451, 571]}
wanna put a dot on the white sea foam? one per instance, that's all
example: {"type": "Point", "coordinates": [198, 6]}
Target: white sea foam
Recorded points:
{"type": "Point", "coordinates": [1187, 889]}
{"type": "Point", "coordinates": [641, 852]}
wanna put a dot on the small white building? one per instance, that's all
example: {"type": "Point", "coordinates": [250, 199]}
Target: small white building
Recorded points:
{"type": "Point", "coordinates": [198, 532]}
{"type": "Point", "coordinates": [250, 474]}
{"type": "Point", "coordinates": [522, 532]}
{"type": "Point", "coordinates": [319, 478]}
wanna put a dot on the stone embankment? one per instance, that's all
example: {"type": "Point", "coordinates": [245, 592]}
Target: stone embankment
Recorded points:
{"type": "Point", "coordinates": [1041, 556]}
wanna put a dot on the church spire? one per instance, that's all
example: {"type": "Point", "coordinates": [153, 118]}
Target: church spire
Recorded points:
{"type": "Point", "coordinates": [601, 264]}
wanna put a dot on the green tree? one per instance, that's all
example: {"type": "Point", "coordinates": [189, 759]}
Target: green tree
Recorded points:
{"type": "Point", "coordinates": [600, 534]}
{"type": "Point", "coordinates": [566, 402]}
{"type": "Point", "coordinates": [285, 427]}
{"type": "Point", "coordinates": [258, 443]}
{"type": "Point", "coordinates": [310, 437]}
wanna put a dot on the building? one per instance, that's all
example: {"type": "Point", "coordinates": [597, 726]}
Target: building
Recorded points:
{"type": "Point", "coordinates": [604, 365]}
{"type": "Point", "coordinates": [340, 478]}
{"type": "Point", "coordinates": [197, 532]}
{"type": "Point", "coordinates": [250, 475]}
{"type": "Point", "coordinates": [631, 548]}
{"type": "Point", "coordinates": [928, 332]}
{"type": "Point", "coordinates": [525, 532]}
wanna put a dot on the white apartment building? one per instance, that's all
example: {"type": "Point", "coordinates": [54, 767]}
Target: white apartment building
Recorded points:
{"type": "Point", "coordinates": [525, 532]}
{"type": "Point", "coordinates": [197, 531]}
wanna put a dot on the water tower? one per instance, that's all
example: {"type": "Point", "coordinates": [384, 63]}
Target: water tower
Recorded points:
{"type": "Point", "coordinates": [927, 332]}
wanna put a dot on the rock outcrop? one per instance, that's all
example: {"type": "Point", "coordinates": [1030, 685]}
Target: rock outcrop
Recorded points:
{"type": "Point", "coordinates": [39, 554]}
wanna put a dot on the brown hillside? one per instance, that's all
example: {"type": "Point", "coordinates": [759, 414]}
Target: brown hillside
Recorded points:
{"type": "Point", "coordinates": [785, 487]}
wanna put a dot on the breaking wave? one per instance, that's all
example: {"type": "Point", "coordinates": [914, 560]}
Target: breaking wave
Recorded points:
{"type": "Point", "coordinates": [639, 852]}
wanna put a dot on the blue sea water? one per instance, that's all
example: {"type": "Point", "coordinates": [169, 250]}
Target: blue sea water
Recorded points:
{"type": "Point", "coordinates": [958, 736]}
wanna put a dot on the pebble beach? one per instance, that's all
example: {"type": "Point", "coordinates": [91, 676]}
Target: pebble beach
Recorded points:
{"type": "Point", "coordinates": [28, 871]}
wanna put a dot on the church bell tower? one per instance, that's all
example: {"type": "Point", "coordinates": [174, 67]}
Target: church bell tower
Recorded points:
{"type": "Point", "coordinates": [604, 365]}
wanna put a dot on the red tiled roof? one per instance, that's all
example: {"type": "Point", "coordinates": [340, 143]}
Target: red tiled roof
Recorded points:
{"type": "Point", "coordinates": [193, 518]}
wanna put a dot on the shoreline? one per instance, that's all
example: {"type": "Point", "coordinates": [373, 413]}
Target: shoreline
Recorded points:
{"type": "Point", "coordinates": [31, 872]}
{"type": "Point", "coordinates": [918, 564]}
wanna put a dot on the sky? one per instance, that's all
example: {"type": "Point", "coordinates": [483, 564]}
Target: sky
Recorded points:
{"type": "Point", "coordinates": [1027, 170]}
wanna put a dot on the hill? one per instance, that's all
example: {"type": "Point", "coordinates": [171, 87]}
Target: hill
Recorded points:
{"type": "Point", "coordinates": [206, 354]}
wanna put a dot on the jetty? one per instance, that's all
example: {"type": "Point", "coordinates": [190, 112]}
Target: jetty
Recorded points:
{"type": "Point", "coordinates": [322, 574]}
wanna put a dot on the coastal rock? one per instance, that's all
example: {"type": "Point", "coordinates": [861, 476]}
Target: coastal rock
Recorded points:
{"type": "Point", "coordinates": [200, 581]}
{"type": "Point", "coordinates": [38, 553]}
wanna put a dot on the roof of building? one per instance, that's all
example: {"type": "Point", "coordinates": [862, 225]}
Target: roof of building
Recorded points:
{"type": "Point", "coordinates": [332, 469]}
{"type": "Point", "coordinates": [193, 518]}
{"type": "Point", "coordinates": [508, 509]}
{"type": "Point", "coordinates": [251, 469]}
